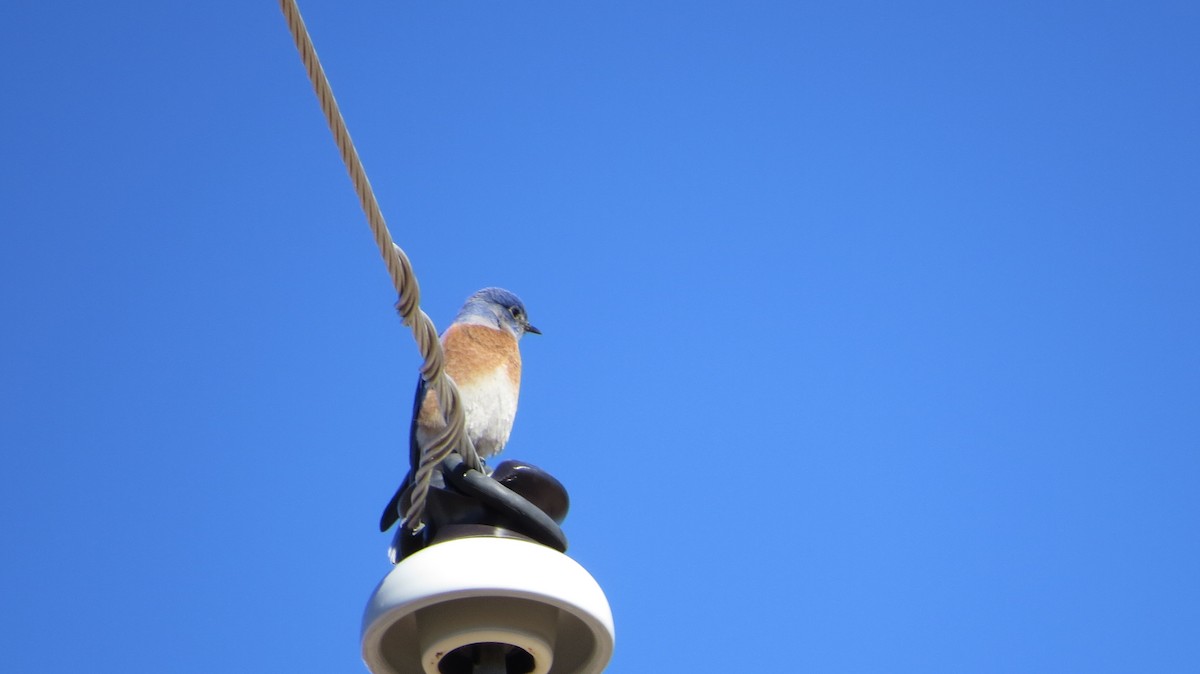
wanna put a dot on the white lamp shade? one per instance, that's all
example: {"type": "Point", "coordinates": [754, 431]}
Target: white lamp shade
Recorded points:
{"type": "Point", "coordinates": [484, 590]}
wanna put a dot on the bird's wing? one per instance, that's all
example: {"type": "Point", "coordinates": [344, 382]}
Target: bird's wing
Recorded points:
{"type": "Point", "coordinates": [391, 513]}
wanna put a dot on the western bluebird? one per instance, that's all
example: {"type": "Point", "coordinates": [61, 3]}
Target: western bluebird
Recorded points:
{"type": "Point", "coordinates": [483, 360]}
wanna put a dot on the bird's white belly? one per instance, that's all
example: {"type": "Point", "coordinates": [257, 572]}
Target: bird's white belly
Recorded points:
{"type": "Point", "coordinates": [490, 405]}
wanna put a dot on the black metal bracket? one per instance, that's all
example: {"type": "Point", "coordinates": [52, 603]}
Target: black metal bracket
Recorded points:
{"type": "Point", "coordinates": [518, 500]}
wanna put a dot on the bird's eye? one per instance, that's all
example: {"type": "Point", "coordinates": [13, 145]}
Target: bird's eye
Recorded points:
{"type": "Point", "coordinates": [515, 311]}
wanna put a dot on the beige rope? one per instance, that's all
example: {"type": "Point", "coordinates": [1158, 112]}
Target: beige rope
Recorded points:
{"type": "Point", "coordinates": [432, 370]}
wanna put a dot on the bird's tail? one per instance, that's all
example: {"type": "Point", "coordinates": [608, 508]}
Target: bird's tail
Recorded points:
{"type": "Point", "coordinates": [391, 512]}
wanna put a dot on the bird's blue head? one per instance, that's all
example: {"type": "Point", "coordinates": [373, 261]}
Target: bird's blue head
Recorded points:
{"type": "Point", "coordinates": [497, 308]}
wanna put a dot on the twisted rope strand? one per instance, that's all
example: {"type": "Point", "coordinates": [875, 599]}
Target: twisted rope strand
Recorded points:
{"type": "Point", "coordinates": [453, 436]}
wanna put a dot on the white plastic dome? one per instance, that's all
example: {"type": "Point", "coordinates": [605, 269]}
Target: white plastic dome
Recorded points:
{"type": "Point", "coordinates": [438, 604]}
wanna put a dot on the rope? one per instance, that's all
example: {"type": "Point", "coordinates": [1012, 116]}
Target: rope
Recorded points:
{"type": "Point", "coordinates": [453, 436]}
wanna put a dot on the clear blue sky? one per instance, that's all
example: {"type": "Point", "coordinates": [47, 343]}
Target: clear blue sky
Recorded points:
{"type": "Point", "coordinates": [871, 329]}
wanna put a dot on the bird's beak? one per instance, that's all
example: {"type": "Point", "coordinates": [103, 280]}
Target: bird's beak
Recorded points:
{"type": "Point", "coordinates": [530, 328]}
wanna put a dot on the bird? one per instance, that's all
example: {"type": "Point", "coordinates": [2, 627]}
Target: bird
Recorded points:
{"type": "Point", "coordinates": [483, 359]}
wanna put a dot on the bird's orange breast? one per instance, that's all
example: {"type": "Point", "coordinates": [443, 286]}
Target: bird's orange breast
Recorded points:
{"type": "Point", "coordinates": [475, 356]}
{"type": "Point", "coordinates": [475, 351]}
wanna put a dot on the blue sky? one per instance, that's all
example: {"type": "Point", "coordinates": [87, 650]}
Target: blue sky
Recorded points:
{"type": "Point", "coordinates": [871, 329]}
